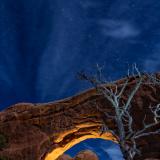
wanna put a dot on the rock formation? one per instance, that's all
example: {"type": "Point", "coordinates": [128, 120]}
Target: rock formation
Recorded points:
{"type": "Point", "coordinates": [86, 155]}
{"type": "Point", "coordinates": [83, 155]}
{"type": "Point", "coordinates": [65, 157]}
{"type": "Point", "coordinates": [45, 131]}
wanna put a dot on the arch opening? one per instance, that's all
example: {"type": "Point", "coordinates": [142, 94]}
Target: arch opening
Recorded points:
{"type": "Point", "coordinates": [104, 149]}
{"type": "Point", "coordinates": [62, 149]}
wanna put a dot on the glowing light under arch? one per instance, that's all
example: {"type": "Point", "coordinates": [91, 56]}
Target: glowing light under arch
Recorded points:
{"type": "Point", "coordinates": [59, 151]}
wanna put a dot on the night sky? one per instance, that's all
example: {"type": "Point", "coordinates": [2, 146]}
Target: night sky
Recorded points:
{"type": "Point", "coordinates": [44, 43]}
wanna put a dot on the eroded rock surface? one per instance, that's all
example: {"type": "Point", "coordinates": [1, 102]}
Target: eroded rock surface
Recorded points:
{"type": "Point", "coordinates": [46, 131]}
{"type": "Point", "coordinates": [86, 155]}
{"type": "Point", "coordinates": [83, 155]}
{"type": "Point", "coordinates": [65, 157]}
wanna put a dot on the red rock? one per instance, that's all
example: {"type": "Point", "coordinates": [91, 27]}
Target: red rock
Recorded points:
{"type": "Point", "coordinates": [65, 157]}
{"type": "Point", "coordinates": [86, 155]}
{"type": "Point", "coordinates": [45, 131]}
{"type": "Point", "coordinates": [83, 155]}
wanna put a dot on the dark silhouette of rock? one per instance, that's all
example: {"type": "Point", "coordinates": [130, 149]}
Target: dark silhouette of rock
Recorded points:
{"type": "Point", "coordinates": [45, 131]}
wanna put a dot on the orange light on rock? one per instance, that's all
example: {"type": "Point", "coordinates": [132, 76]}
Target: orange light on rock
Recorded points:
{"type": "Point", "coordinates": [59, 151]}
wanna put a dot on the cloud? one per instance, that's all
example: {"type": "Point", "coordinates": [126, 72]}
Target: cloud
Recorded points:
{"type": "Point", "coordinates": [118, 29]}
{"type": "Point", "coordinates": [152, 62]}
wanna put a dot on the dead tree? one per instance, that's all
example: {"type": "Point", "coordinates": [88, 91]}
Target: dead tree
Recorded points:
{"type": "Point", "coordinates": [127, 135]}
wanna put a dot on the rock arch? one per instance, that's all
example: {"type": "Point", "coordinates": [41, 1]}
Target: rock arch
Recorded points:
{"type": "Point", "coordinates": [59, 151]}
{"type": "Point", "coordinates": [44, 131]}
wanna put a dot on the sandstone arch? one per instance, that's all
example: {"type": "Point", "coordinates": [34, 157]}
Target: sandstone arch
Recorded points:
{"type": "Point", "coordinates": [42, 131]}
{"type": "Point", "coordinates": [59, 151]}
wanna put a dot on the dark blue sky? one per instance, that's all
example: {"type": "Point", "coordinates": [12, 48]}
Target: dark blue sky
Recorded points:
{"type": "Point", "coordinates": [44, 43]}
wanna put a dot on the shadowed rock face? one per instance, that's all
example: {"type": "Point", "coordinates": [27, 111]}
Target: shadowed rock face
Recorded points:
{"type": "Point", "coordinates": [46, 131]}
{"type": "Point", "coordinates": [83, 155]}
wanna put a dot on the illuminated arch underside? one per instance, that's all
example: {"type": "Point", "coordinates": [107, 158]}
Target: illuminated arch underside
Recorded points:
{"type": "Point", "coordinates": [59, 151]}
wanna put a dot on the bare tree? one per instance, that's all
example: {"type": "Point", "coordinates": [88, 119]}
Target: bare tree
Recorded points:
{"type": "Point", "coordinates": [126, 135]}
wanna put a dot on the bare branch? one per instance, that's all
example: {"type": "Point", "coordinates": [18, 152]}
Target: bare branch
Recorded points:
{"type": "Point", "coordinates": [127, 135]}
{"type": "Point", "coordinates": [133, 93]}
{"type": "Point", "coordinates": [156, 111]}
{"type": "Point", "coordinates": [123, 88]}
{"type": "Point", "coordinates": [143, 132]}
